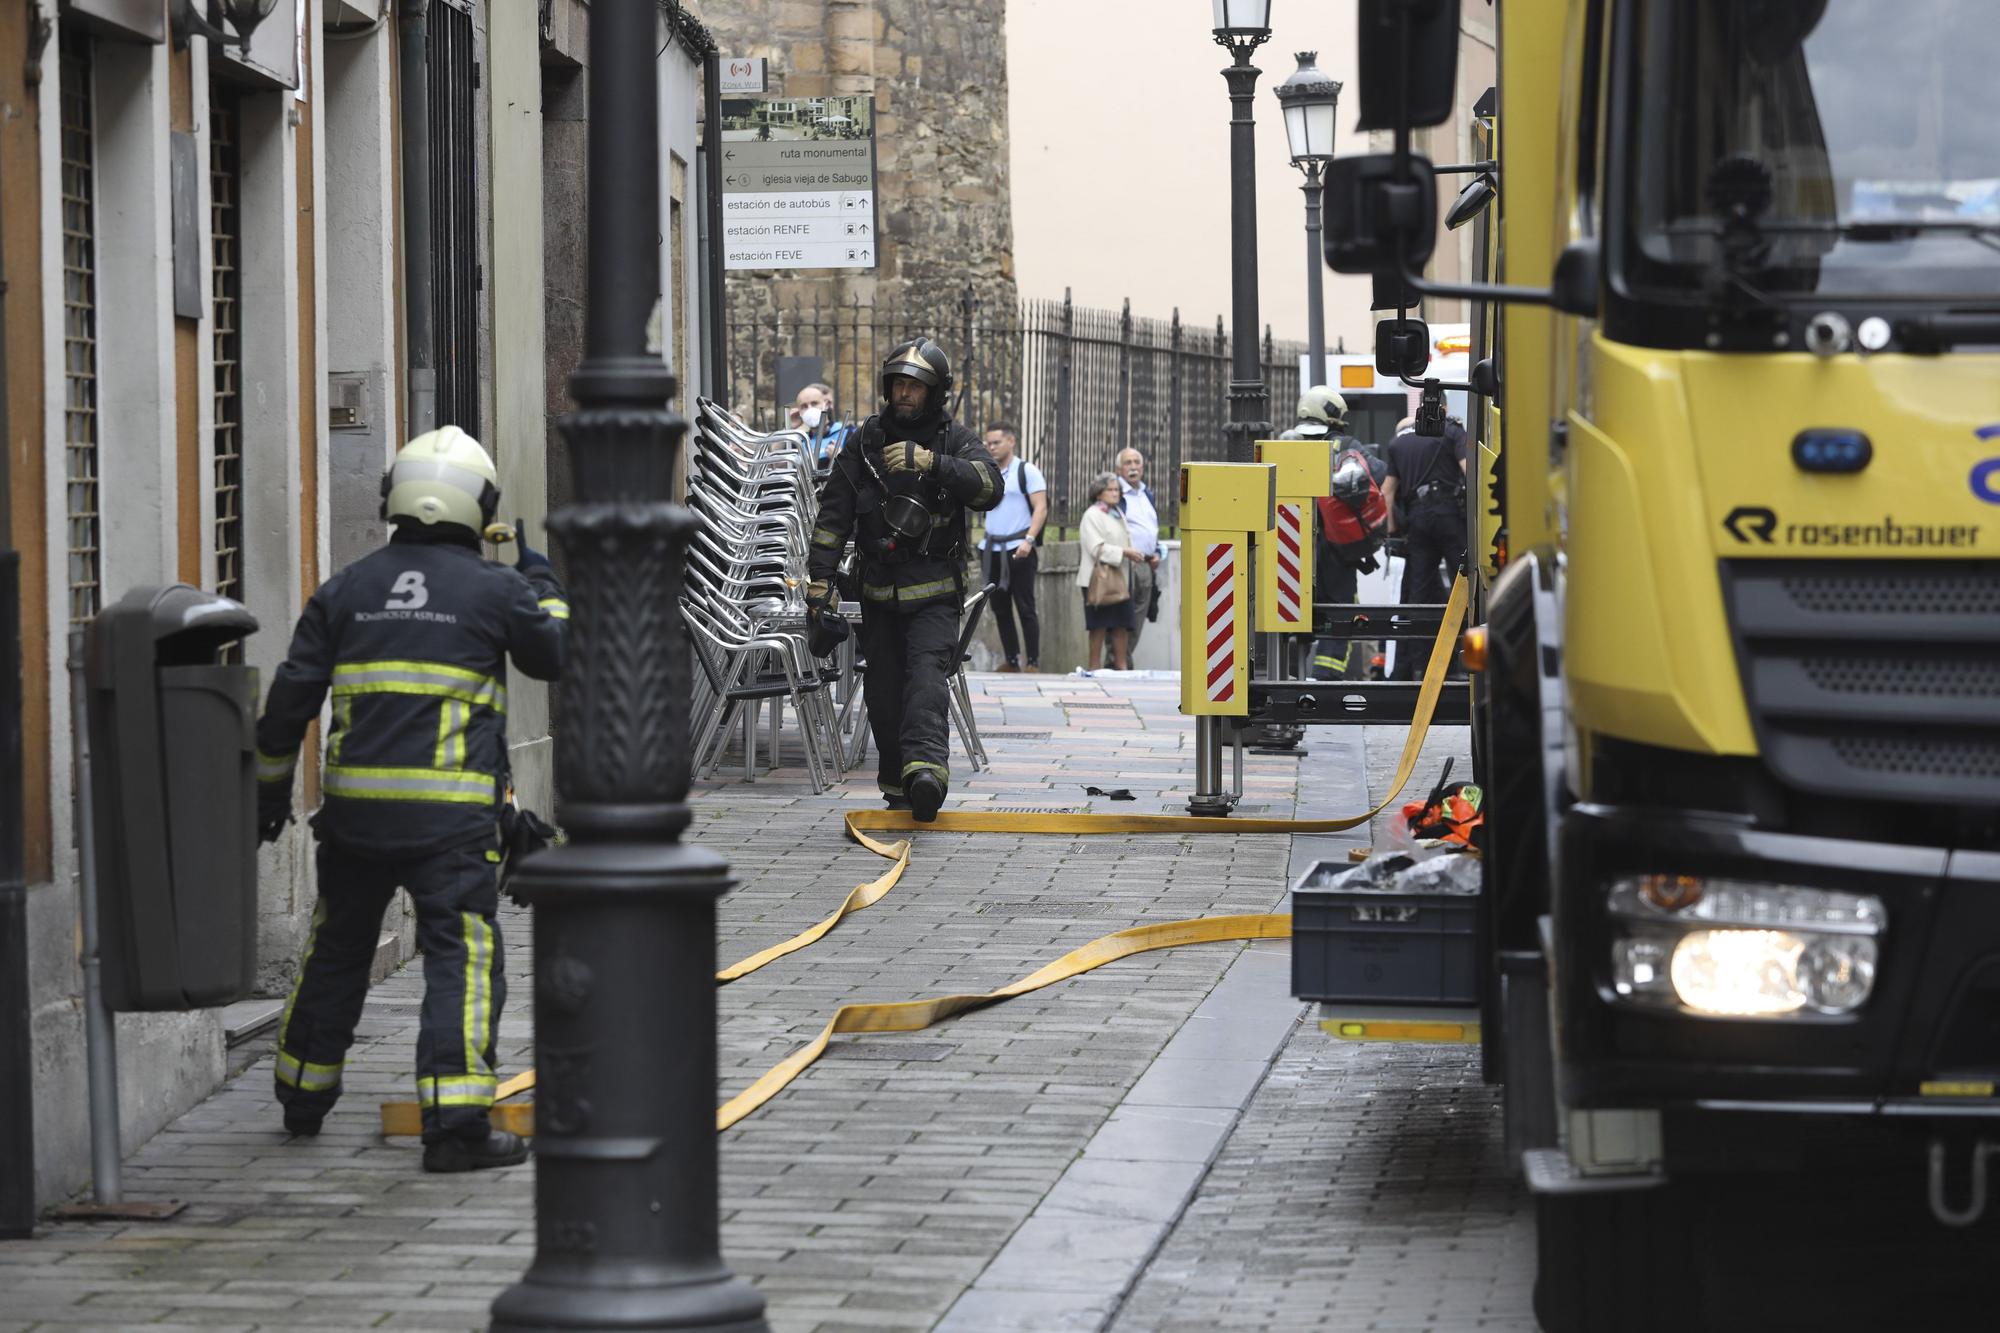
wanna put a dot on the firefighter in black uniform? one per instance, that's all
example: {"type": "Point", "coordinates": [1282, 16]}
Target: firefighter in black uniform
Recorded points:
{"type": "Point", "coordinates": [1323, 416]}
{"type": "Point", "coordinates": [412, 641]}
{"type": "Point", "coordinates": [901, 489]}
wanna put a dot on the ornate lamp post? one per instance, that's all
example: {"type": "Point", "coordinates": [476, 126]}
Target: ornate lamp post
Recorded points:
{"type": "Point", "coordinates": [1242, 26]}
{"type": "Point", "coordinates": [1309, 99]}
{"type": "Point", "coordinates": [626, 1231]}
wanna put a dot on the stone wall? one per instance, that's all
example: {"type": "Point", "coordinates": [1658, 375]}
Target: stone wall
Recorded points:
{"type": "Point", "coordinates": [938, 71]}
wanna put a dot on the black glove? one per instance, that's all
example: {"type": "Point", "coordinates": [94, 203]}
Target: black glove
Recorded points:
{"type": "Point", "coordinates": [526, 557]}
{"type": "Point", "coordinates": [274, 810]}
{"type": "Point", "coordinates": [522, 833]}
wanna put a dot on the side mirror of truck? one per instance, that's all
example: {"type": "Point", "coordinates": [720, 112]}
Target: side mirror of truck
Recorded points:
{"type": "Point", "coordinates": [1579, 277]}
{"type": "Point", "coordinates": [1471, 201]}
{"type": "Point", "coordinates": [1402, 348]}
{"type": "Point", "coordinates": [1371, 205]}
{"type": "Point", "coordinates": [1485, 378]}
{"type": "Point", "coordinates": [1408, 50]}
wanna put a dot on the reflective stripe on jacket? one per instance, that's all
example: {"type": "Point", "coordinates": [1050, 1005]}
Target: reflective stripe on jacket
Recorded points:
{"type": "Point", "coordinates": [412, 643]}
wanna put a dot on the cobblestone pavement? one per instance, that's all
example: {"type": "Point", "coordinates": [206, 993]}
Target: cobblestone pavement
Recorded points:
{"type": "Point", "coordinates": [1364, 1187]}
{"type": "Point", "coordinates": [871, 1192]}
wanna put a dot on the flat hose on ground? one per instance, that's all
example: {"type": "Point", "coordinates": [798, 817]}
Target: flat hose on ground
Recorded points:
{"type": "Point", "coordinates": [403, 1118]}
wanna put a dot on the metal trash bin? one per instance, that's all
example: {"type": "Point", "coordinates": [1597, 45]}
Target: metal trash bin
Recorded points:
{"type": "Point", "coordinates": [174, 789]}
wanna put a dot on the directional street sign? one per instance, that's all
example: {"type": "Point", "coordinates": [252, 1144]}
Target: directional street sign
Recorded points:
{"type": "Point", "coordinates": [798, 184]}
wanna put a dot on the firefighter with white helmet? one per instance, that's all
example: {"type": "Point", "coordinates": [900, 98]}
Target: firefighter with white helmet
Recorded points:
{"type": "Point", "coordinates": [1322, 415]}
{"type": "Point", "coordinates": [412, 642]}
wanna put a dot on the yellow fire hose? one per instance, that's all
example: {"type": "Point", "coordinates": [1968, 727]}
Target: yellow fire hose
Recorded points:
{"type": "Point", "coordinates": [404, 1118]}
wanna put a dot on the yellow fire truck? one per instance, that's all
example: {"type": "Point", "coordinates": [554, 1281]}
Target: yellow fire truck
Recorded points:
{"type": "Point", "coordinates": [1737, 591]}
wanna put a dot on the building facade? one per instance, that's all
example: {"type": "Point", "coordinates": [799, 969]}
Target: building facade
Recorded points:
{"type": "Point", "coordinates": [937, 72]}
{"type": "Point", "coordinates": [237, 278]}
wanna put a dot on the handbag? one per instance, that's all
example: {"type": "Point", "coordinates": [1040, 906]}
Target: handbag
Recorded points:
{"type": "Point", "coordinates": [1107, 586]}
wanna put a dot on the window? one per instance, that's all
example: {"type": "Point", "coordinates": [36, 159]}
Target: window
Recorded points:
{"type": "Point", "coordinates": [79, 251]}
{"type": "Point", "coordinates": [225, 330]}
{"type": "Point", "coordinates": [455, 274]}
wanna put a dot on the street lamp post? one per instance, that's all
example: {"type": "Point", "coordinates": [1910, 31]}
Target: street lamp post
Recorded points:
{"type": "Point", "coordinates": [626, 1230]}
{"type": "Point", "coordinates": [1241, 26]}
{"type": "Point", "coordinates": [1309, 99]}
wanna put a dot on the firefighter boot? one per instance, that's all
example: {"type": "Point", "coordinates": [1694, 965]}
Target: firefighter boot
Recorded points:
{"type": "Point", "coordinates": [499, 1148]}
{"type": "Point", "coordinates": [301, 1124]}
{"type": "Point", "coordinates": [926, 792]}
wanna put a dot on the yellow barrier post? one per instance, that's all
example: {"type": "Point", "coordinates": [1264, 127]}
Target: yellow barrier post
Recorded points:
{"type": "Point", "coordinates": [1224, 508]}
{"type": "Point", "coordinates": [1304, 473]}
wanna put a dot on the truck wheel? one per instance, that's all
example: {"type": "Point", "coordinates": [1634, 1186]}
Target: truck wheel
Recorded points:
{"type": "Point", "coordinates": [1615, 1261]}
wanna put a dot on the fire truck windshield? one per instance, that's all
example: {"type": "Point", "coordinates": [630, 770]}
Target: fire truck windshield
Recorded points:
{"type": "Point", "coordinates": [1833, 147]}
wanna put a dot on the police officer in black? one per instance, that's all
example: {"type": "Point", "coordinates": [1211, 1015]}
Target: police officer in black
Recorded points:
{"type": "Point", "coordinates": [412, 642]}
{"type": "Point", "coordinates": [1426, 494]}
{"type": "Point", "coordinates": [901, 489]}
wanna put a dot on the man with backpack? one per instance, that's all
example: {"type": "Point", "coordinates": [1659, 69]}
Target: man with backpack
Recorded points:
{"type": "Point", "coordinates": [1008, 548]}
{"type": "Point", "coordinates": [1426, 494]}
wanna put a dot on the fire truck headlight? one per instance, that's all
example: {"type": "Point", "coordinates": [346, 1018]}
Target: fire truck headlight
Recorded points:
{"type": "Point", "coordinates": [1737, 949]}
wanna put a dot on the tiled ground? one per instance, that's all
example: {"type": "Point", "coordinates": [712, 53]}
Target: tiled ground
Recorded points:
{"type": "Point", "coordinates": [868, 1194]}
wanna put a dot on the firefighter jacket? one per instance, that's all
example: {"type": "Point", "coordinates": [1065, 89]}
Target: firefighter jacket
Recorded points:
{"type": "Point", "coordinates": [858, 500]}
{"type": "Point", "coordinates": [412, 641]}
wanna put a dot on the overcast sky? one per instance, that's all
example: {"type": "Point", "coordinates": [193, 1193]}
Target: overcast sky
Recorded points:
{"type": "Point", "coordinates": [1119, 121]}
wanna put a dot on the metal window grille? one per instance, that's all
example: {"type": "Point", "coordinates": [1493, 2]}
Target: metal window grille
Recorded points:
{"type": "Point", "coordinates": [225, 325]}
{"type": "Point", "coordinates": [454, 216]}
{"type": "Point", "coordinates": [79, 221]}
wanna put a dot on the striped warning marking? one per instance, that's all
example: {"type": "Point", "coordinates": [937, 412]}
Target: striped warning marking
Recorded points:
{"type": "Point", "coordinates": [1221, 566]}
{"type": "Point", "coordinates": [1288, 563]}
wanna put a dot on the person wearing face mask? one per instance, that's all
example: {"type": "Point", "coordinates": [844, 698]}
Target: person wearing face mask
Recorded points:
{"type": "Point", "coordinates": [901, 489]}
{"type": "Point", "coordinates": [812, 412]}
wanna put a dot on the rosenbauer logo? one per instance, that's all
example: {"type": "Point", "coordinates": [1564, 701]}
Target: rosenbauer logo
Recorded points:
{"type": "Point", "coordinates": [1985, 477]}
{"type": "Point", "coordinates": [1753, 525]}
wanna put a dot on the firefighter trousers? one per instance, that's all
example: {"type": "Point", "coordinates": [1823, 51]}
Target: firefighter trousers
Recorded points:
{"type": "Point", "coordinates": [911, 653]}
{"type": "Point", "coordinates": [1334, 580]}
{"type": "Point", "coordinates": [465, 986]}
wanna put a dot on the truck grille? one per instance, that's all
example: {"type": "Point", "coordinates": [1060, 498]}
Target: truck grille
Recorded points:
{"type": "Point", "coordinates": [1874, 679]}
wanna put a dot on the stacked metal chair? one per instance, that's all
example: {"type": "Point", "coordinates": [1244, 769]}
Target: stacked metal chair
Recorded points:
{"type": "Point", "coordinates": [744, 601]}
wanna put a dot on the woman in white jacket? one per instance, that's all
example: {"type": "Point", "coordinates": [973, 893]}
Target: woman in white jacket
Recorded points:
{"type": "Point", "coordinates": [1105, 541]}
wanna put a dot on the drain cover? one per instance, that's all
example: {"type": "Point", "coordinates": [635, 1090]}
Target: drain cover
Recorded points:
{"type": "Point", "coordinates": [1028, 809]}
{"type": "Point", "coordinates": [1013, 734]}
{"type": "Point", "coordinates": [888, 1050]}
{"type": "Point", "coordinates": [1065, 907]}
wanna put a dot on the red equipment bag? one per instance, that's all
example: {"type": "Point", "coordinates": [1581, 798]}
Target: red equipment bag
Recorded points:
{"type": "Point", "coordinates": [1355, 518]}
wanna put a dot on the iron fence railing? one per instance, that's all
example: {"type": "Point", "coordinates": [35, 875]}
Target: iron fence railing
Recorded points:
{"type": "Point", "coordinates": [1079, 385]}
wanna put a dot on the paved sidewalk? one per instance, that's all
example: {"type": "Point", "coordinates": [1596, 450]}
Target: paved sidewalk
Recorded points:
{"type": "Point", "coordinates": [1365, 1186]}
{"type": "Point", "coordinates": [872, 1192]}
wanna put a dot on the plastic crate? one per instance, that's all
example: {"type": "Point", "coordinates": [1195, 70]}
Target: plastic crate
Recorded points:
{"type": "Point", "coordinates": [1381, 948]}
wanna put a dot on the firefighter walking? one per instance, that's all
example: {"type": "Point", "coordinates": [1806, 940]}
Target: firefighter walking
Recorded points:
{"type": "Point", "coordinates": [901, 490]}
{"type": "Point", "coordinates": [412, 642]}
